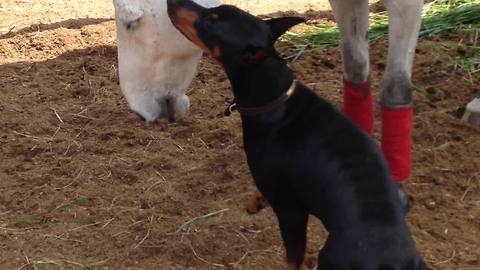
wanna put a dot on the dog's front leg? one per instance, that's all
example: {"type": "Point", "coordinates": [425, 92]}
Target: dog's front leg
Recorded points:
{"type": "Point", "coordinates": [293, 227]}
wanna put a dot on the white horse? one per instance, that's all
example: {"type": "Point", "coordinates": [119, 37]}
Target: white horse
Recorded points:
{"type": "Point", "coordinates": [156, 63]}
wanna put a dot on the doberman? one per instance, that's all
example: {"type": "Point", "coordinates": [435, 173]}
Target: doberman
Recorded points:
{"type": "Point", "coordinates": [305, 156]}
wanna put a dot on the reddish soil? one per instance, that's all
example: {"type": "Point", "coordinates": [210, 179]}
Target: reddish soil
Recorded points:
{"type": "Point", "coordinates": [85, 185]}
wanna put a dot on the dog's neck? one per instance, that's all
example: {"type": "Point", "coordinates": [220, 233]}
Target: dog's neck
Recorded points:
{"type": "Point", "coordinates": [259, 84]}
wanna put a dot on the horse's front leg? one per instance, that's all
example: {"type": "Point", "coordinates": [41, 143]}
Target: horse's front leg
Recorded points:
{"type": "Point", "coordinates": [404, 23]}
{"type": "Point", "coordinates": [396, 100]}
{"type": "Point", "coordinates": [352, 20]}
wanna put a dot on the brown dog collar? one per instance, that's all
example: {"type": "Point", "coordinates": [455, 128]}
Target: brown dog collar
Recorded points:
{"type": "Point", "coordinates": [265, 108]}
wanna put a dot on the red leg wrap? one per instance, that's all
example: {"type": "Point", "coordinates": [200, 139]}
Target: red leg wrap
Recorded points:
{"type": "Point", "coordinates": [358, 104]}
{"type": "Point", "coordinates": [397, 141]}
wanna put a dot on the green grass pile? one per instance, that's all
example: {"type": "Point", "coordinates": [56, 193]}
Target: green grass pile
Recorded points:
{"type": "Point", "coordinates": [439, 17]}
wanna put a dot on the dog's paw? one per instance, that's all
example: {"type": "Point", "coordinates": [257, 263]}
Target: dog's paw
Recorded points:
{"type": "Point", "coordinates": [256, 203]}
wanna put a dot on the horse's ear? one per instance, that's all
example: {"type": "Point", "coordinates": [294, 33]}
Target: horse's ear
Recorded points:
{"type": "Point", "coordinates": [279, 26]}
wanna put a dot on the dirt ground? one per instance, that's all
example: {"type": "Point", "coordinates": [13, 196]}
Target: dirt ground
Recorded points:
{"type": "Point", "coordinates": [85, 185]}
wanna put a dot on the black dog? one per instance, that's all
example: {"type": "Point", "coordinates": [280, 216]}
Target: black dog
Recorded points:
{"type": "Point", "coordinates": [305, 156]}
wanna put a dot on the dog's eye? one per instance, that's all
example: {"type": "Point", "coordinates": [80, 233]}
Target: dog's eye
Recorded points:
{"type": "Point", "coordinates": [214, 17]}
{"type": "Point", "coordinates": [211, 19]}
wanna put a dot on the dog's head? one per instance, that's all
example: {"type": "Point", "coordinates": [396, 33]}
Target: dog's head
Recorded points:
{"type": "Point", "coordinates": [228, 33]}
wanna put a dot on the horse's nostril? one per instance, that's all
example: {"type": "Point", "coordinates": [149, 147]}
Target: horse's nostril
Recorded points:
{"type": "Point", "coordinates": [170, 110]}
{"type": "Point", "coordinates": [141, 117]}
{"type": "Point", "coordinates": [131, 24]}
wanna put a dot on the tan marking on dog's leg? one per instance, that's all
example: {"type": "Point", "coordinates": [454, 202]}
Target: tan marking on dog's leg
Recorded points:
{"type": "Point", "coordinates": [256, 203]}
{"type": "Point", "coordinates": [293, 266]}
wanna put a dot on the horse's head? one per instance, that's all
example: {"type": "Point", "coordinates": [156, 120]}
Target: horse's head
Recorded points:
{"type": "Point", "coordinates": [156, 63]}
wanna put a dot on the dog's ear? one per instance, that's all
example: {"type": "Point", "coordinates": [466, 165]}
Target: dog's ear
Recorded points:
{"type": "Point", "coordinates": [254, 55]}
{"type": "Point", "coordinates": [279, 26]}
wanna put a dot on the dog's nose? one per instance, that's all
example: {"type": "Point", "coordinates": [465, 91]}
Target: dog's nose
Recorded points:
{"type": "Point", "coordinates": [178, 2]}
{"type": "Point", "coordinates": [173, 3]}
{"type": "Point", "coordinates": [188, 4]}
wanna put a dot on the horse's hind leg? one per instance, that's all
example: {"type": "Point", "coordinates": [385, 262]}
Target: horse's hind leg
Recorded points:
{"type": "Point", "coordinates": [352, 19]}
{"type": "Point", "coordinates": [396, 100]}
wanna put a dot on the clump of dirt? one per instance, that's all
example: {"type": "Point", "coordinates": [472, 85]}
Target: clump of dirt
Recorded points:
{"type": "Point", "coordinates": [84, 184]}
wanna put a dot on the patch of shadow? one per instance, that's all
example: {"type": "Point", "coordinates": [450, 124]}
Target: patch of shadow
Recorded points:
{"type": "Point", "coordinates": [458, 112]}
{"type": "Point", "coordinates": [69, 24]}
